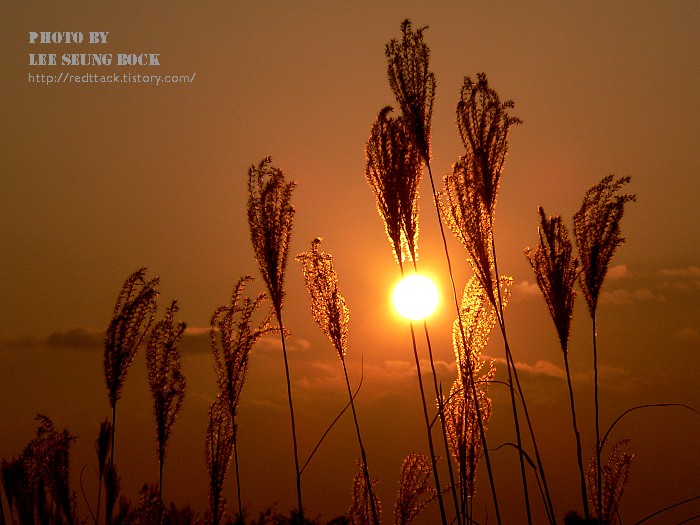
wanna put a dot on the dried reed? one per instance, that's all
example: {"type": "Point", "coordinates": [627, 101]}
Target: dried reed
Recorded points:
{"type": "Point", "coordinates": [363, 500]}
{"type": "Point", "coordinates": [37, 483]}
{"type": "Point", "coordinates": [597, 232]}
{"type": "Point", "coordinates": [218, 449]}
{"type": "Point", "coordinates": [468, 408]}
{"type": "Point", "coordinates": [415, 491]}
{"type": "Point", "coordinates": [166, 381]}
{"type": "Point", "coordinates": [615, 474]}
{"type": "Point", "coordinates": [270, 218]}
{"type": "Point", "coordinates": [556, 271]}
{"type": "Point", "coordinates": [232, 339]}
{"type": "Point", "coordinates": [413, 83]}
{"type": "Point", "coordinates": [133, 314]}
{"type": "Point", "coordinates": [393, 171]}
{"type": "Point", "coordinates": [469, 202]}
{"type": "Point", "coordinates": [330, 311]}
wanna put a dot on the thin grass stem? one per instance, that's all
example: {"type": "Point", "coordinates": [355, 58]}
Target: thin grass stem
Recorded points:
{"type": "Point", "coordinates": [291, 413]}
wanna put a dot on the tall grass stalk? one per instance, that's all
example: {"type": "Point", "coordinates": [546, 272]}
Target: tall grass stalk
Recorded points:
{"type": "Point", "coordinates": [597, 232]}
{"type": "Point", "coordinates": [331, 313]}
{"type": "Point", "coordinates": [393, 171]}
{"type": "Point", "coordinates": [556, 271]}
{"type": "Point", "coordinates": [413, 85]}
{"type": "Point", "coordinates": [232, 339]}
{"type": "Point", "coordinates": [471, 192]}
{"type": "Point", "coordinates": [133, 314]}
{"type": "Point", "coordinates": [270, 218]}
{"type": "Point", "coordinates": [166, 381]}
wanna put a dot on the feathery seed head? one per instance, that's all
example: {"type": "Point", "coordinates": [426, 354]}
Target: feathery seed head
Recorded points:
{"type": "Point", "coordinates": [360, 512]}
{"type": "Point", "coordinates": [478, 317]}
{"type": "Point", "coordinates": [270, 218]}
{"type": "Point", "coordinates": [328, 306]}
{"type": "Point", "coordinates": [483, 122]}
{"type": "Point", "coordinates": [165, 374]}
{"type": "Point", "coordinates": [218, 450]}
{"type": "Point", "coordinates": [413, 84]}
{"type": "Point", "coordinates": [393, 171]}
{"type": "Point", "coordinates": [597, 231]}
{"type": "Point", "coordinates": [415, 491]}
{"type": "Point", "coordinates": [465, 211]}
{"type": "Point", "coordinates": [462, 426]}
{"type": "Point", "coordinates": [615, 474]}
{"type": "Point", "coordinates": [133, 314]}
{"type": "Point", "coordinates": [232, 337]}
{"type": "Point", "coordinates": [556, 271]}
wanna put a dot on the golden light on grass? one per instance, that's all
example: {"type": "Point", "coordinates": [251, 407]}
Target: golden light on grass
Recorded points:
{"type": "Point", "coordinates": [415, 297]}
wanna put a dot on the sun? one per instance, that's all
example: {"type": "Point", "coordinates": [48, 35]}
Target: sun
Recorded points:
{"type": "Point", "coordinates": [415, 297]}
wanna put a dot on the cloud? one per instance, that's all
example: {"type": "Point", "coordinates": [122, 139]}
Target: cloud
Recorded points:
{"type": "Point", "coordinates": [687, 333]}
{"type": "Point", "coordinates": [625, 297]}
{"type": "Point", "coordinates": [273, 343]}
{"type": "Point", "coordinates": [524, 290]}
{"type": "Point", "coordinates": [685, 280]}
{"type": "Point", "coordinates": [542, 368]}
{"type": "Point", "coordinates": [690, 271]}
{"type": "Point", "coordinates": [619, 272]}
{"type": "Point", "coordinates": [76, 338]}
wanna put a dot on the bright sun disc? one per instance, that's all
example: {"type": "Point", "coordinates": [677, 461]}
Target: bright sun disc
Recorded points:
{"type": "Point", "coordinates": [415, 297]}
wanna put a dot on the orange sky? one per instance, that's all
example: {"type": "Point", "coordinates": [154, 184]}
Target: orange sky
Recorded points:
{"type": "Point", "coordinates": [98, 180]}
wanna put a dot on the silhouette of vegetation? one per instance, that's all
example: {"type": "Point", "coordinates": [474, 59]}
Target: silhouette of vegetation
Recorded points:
{"type": "Point", "coordinates": [395, 153]}
{"type": "Point", "coordinates": [464, 414]}
{"type": "Point", "coordinates": [218, 450]}
{"type": "Point", "coordinates": [597, 231]}
{"type": "Point", "coordinates": [365, 503]}
{"type": "Point", "coordinates": [36, 483]}
{"type": "Point", "coordinates": [556, 272]}
{"type": "Point", "coordinates": [232, 340]}
{"type": "Point", "coordinates": [615, 472]}
{"type": "Point", "coordinates": [133, 315]}
{"type": "Point", "coordinates": [330, 311]}
{"type": "Point", "coordinates": [270, 218]}
{"type": "Point", "coordinates": [166, 381]}
{"type": "Point", "coordinates": [415, 491]}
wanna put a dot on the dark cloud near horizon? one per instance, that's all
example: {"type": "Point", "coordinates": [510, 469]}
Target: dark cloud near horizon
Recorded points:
{"type": "Point", "coordinates": [77, 338]}
{"type": "Point", "coordinates": [89, 339]}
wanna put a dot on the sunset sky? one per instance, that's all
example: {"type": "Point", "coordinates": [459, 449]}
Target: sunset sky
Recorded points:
{"type": "Point", "coordinates": [98, 180]}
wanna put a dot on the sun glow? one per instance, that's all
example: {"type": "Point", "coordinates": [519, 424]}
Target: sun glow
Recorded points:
{"type": "Point", "coordinates": [415, 297]}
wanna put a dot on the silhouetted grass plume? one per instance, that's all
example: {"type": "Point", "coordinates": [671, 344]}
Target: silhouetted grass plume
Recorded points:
{"type": "Point", "coordinates": [133, 314]}
{"type": "Point", "coordinates": [597, 231]}
{"type": "Point", "coordinates": [165, 379]}
{"type": "Point", "coordinates": [270, 219]}
{"type": "Point", "coordinates": [232, 337]}
{"type": "Point", "coordinates": [556, 272]}
{"type": "Point", "coordinates": [331, 313]}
